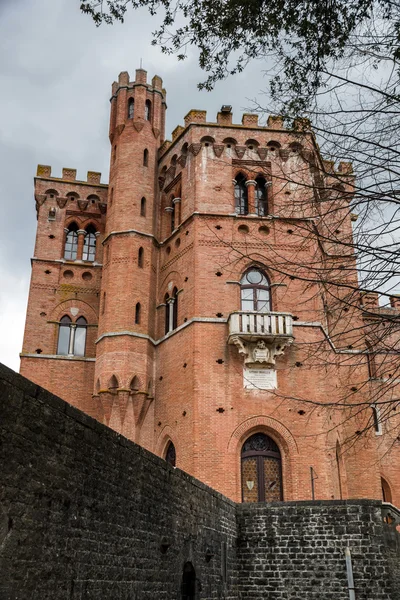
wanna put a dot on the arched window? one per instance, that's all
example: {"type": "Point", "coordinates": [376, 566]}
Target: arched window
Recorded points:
{"type": "Point", "coordinates": [255, 291]}
{"type": "Point", "coordinates": [386, 491]}
{"type": "Point", "coordinates": [145, 157]}
{"type": "Point", "coordinates": [175, 308]}
{"type": "Point", "coordinates": [167, 311]}
{"type": "Point", "coordinates": [171, 311]}
{"type": "Point", "coordinates": [140, 257]}
{"type": "Point", "coordinates": [261, 197]}
{"type": "Point", "coordinates": [143, 207]}
{"type": "Point", "coordinates": [188, 587]}
{"type": "Point", "coordinates": [72, 337]}
{"type": "Point", "coordinates": [80, 337]}
{"type": "Point", "coordinates": [261, 470]}
{"type": "Point", "coordinates": [89, 244]}
{"type": "Point", "coordinates": [63, 335]}
{"type": "Point", "coordinates": [138, 309]}
{"type": "Point", "coordinates": [241, 200]}
{"type": "Point", "coordinates": [71, 242]}
{"type": "Point", "coordinates": [131, 108]}
{"type": "Point", "coordinates": [170, 454]}
{"type": "Point", "coordinates": [147, 110]}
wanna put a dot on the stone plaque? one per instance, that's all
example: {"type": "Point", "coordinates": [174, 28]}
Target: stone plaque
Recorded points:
{"type": "Point", "coordinates": [259, 379]}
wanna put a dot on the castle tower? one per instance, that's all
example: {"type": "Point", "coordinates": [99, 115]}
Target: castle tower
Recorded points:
{"type": "Point", "coordinates": [125, 355]}
{"type": "Point", "coordinates": [186, 305]}
{"type": "Point", "coordinates": [61, 323]}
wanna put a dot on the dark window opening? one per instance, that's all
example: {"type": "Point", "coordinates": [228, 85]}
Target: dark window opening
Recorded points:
{"type": "Point", "coordinates": [188, 587]}
{"type": "Point", "coordinates": [172, 217]}
{"type": "Point", "coordinates": [170, 454]}
{"type": "Point", "coordinates": [376, 419]}
{"type": "Point", "coordinates": [138, 309]}
{"type": "Point", "coordinates": [261, 470]}
{"type": "Point", "coordinates": [147, 110]}
{"type": "Point", "coordinates": [143, 207]}
{"type": "Point", "coordinates": [145, 157]}
{"type": "Point", "coordinates": [167, 310]}
{"type": "Point", "coordinates": [131, 108]}
{"type": "Point", "coordinates": [241, 198]}
{"type": "Point", "coordinates": [255, 291]}
{"type": "Point", "coordinates": [140, 258]}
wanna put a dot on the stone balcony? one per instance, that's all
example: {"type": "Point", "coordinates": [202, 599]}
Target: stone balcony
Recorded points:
{"type": "Point", "coordinates": [260, 337]}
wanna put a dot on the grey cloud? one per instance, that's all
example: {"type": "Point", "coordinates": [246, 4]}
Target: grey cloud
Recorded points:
{"type": "Point", "coordinates": [56, 71]}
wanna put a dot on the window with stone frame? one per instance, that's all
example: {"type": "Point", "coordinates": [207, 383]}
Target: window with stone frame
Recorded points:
{"type": "Point", "coordinates": [71, 242]}
{"type": "Point", "coordinates": [241, 196]}
{"type": "Point", "coordinates": [171, 311]}
{"type": "Point", "coordinates": [255, 291]}
{"type": "Point", "coordinates": [72, 336]}
{"type": "Point", "coordinates": [261, 196]}
{"type": "Point", "coordinates": [89, 244]}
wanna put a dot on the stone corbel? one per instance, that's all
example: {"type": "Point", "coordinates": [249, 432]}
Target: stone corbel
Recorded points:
{"type": "Point", "coordinates": [61, 201]}
{"type": "Point", "coordinates": [262, 353]}
{"type": "Point", "coordinates": [83, 204]}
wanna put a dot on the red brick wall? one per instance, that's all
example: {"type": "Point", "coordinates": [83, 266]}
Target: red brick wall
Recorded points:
{"type": "Point", "coordinates": [183, 392]}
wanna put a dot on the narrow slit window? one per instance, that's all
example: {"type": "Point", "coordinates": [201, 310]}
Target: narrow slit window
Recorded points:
{"type": "Point", "coordinates": [145, 158]}
{"type": "Point", "coordinates": [376, 420]}
{"type": "Point", "coordinates": [143, 207]}
{"type": "Point", "coordinates": [131, 108]}
{"type": "Point", "coordinates": [140, 258]}
{"type": "Point", "coordinates": [147, 110]}
{"type": "Point", "coordinates": [138, 310]}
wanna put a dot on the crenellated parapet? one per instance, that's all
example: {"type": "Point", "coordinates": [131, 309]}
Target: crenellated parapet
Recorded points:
{"type": "Point", "coordinates": [133, 103]}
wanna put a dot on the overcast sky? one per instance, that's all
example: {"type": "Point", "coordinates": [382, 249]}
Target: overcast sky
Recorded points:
{"type": "Point", "coordinates": [56, 71]}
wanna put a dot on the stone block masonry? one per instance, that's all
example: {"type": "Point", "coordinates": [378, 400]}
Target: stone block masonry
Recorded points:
{"type": "Point", "coordinates": [87, 514]}
{"type": "Point", "coordinates": [296, 550]}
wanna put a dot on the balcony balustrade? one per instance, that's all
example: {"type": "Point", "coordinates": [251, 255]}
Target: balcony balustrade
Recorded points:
{"type": "Point", "coordinates": [260, 337]}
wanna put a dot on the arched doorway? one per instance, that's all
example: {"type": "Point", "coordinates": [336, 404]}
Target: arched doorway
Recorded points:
{"type": "Point", "coordinates": [261, 470]}
{"type": "Point", "coordinates": [188, 587]}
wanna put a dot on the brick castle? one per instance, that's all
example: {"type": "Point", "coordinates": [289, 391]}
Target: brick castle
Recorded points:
{"type": "Point", "coordinates": [205, 304]}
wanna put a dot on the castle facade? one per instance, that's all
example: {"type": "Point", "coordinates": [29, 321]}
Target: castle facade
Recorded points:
{"type": "Point", "coordinates": [205, 304]}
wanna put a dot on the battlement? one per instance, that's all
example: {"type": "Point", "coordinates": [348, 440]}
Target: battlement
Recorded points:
{"type": "Point", "coordinates": [92, 178]}
{"type": "Point", "coordinates": [140, 79]}
{"type": "Point", "coordinates": [275, 123]}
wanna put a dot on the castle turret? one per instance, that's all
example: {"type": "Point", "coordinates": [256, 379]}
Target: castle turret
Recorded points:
{"type": "Point", "coordinates": [124, 365]}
